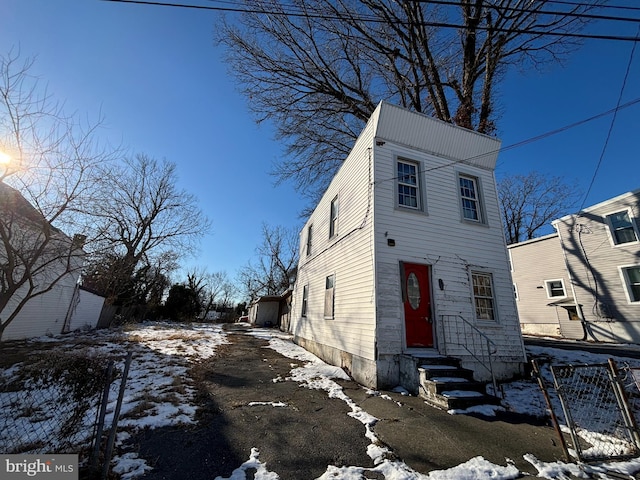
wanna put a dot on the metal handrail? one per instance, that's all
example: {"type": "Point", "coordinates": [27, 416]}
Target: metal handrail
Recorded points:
{"type": "Point", "coordinates": [491, 347]}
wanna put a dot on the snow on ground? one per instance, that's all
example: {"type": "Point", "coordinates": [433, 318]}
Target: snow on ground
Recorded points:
{"type": "Point", "coordinates": [159, 393]}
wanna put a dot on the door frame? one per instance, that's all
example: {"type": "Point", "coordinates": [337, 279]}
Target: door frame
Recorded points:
{"type": "Point", "coordinates": [403, 291]}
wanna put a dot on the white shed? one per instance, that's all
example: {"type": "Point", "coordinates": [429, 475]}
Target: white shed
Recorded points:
{"type": "Point", "coordinates": [265, 311]}
{"type": "Point", "coordinates": [404, 256]}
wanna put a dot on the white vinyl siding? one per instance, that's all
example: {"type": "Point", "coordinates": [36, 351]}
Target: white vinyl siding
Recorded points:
{"type": "Point", "coordinates": [377, 232]}
{"type": "Point", "coordinates": [440, 240]}
{"type": "Point", "coordinates": [347, 255]}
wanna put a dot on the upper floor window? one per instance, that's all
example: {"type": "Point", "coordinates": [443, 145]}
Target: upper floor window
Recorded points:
{"type": "Point", "coordinates": [408, 185]}
{"type": "Point", "coordinates": [483, 296]}
{"type": "Point", "coordinates": [333, 218]}
{"type": "Point", "coordinates": [555, 288]}
{"type": "Point", "coordinates": [470, 198]}
{"type": "Point", "coordinates": [621, 226]}
{"type": "Point", "coordinates": [309, 239]}
{"type": "Point", "coordinates": [632, 281]}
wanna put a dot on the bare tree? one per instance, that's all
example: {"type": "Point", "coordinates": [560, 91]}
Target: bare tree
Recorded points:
{"type": "Point", "coordinates": [318, 68]}
{"type": "Point", "coordinates": [47, 175]}
{"type": "Point", "coordinates": [214, 290]}
{"type": "Point", "coordinates": [274, 270]}
{"type": "Point", "coordinates": [530, 202]}
{"type": "Point", "coordinates": [142, 216]}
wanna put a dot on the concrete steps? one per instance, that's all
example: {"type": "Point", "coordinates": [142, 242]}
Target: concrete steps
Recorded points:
{"type": "Point", "coordinates": [444, 384]}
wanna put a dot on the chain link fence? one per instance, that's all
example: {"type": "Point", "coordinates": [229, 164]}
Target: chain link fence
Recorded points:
{"type": "Point", "coordinates": [598, 403]}
{"type": "Point", "coordinates": [49, 403]}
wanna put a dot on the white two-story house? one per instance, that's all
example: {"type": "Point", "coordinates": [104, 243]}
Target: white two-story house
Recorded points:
{"type": "Point", "coordinates": [404, 256]}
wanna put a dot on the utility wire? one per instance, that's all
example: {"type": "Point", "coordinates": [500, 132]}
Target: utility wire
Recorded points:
{"type": "Point", "coordinates": [527, 141]}
{"type": "Point", "coordinates": [613, 121]}
{"type": "Point", "coordinates": [506, 8]}
{"type": "Point", "coordinates": [324, 16]}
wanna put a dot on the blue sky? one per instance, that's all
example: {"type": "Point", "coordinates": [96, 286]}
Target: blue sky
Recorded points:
{"type": "Point", "coordinates": [159, 80]}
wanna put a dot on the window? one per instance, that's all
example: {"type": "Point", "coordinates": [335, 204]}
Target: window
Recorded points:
{"type": "Point", "coordinates": [470, 198]}
{"type": "Point", "coordinates": [515, 292]}
{"type": "Point", "coordinates": [622, 229]}
{"type": "Point", "coordinates": [632, 280]}
{"type": "Point", "coordinates": [408, 185]}
{"type": "Point", "coordinates": [329, 296]}
{"type": "Point", "coordinates": [305, 300]}
{"type": "Point", "coordinates": [555, 288]}
{"type": "Point", "coordinates": [309, 236]}
{"type": "Point", "coordinates": [333, 218]}
{"type": "Point", "coordinates": [483, 295]}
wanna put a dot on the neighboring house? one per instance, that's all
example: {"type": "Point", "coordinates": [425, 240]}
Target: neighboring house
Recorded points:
{"type": "Point", "coordinates": [404, 256]}
{"type": "Point", "coordinates": [50, 312]}
{"type": "Point", "coordinates": [583, 282]}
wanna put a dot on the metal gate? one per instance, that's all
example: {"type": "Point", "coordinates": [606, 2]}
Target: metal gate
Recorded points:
{"type": "Point", "coordinates": [596, 408]}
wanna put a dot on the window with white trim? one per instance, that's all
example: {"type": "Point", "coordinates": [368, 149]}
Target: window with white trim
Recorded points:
{"type": "Point", "coordinates": [621, 226]}
{"type": "Point", "coordinates": [305, 300]}
{"type": "Point", "coordinates": [632, 282]}
{"type": "Point", "coordinates": [333, 218]}
{"type": "Point", "coordinates": [483, 295]}
{"type": "Point", "coordinates": [329, 296]}
{"type": "Point", "coordinates": [555, 288]}
{"type": "Point", "coordinates": [408, 185]}
{"type": "Point", "coordinates": [470, 198]}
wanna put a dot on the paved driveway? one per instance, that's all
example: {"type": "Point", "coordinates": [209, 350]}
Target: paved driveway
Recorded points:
{"type": "Point", "coordinates": [300, 431]}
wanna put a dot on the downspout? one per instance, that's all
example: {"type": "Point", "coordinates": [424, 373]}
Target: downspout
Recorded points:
{"type": "Point", "coordinates": [583, 321]}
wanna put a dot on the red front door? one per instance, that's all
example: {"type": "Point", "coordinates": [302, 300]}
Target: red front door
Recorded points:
{"type": "Point", "coordinates": [417, 305]}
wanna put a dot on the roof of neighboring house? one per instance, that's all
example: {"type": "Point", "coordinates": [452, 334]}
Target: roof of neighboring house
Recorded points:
{"type": "Point", "coordinates": [272, 298]}
{"type": "Point", "coordinates": [13, 201]}
{"type": "Point", "coordinates": [533, 240]}
{"type": "Point", "coordinates": [633, 193]}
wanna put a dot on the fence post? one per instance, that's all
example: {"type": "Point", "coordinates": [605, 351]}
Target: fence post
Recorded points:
{"type": "Point", "coordinates": [554, 419]}
{"type": "Point", "coordinates": [101, 415]}
{"type": "Point", "coordinates": [116, 414]}
{"type": "Point", "coordinates": [621, 397]}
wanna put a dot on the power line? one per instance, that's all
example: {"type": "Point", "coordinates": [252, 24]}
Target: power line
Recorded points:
{"type": "Point", "coordinates": [613, 120]}
{"type": "Point", "coordinates": [603, 6]}
{"type": "Point", "coordinates": [501, 8]}
{"type": "Point", "coordinates": [307, 14]}
{"type": "Point", "coordinates": [550, 133]}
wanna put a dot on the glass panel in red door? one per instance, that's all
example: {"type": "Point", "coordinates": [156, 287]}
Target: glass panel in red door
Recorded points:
{"type": "Point", "coordinates": [417, 305]}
